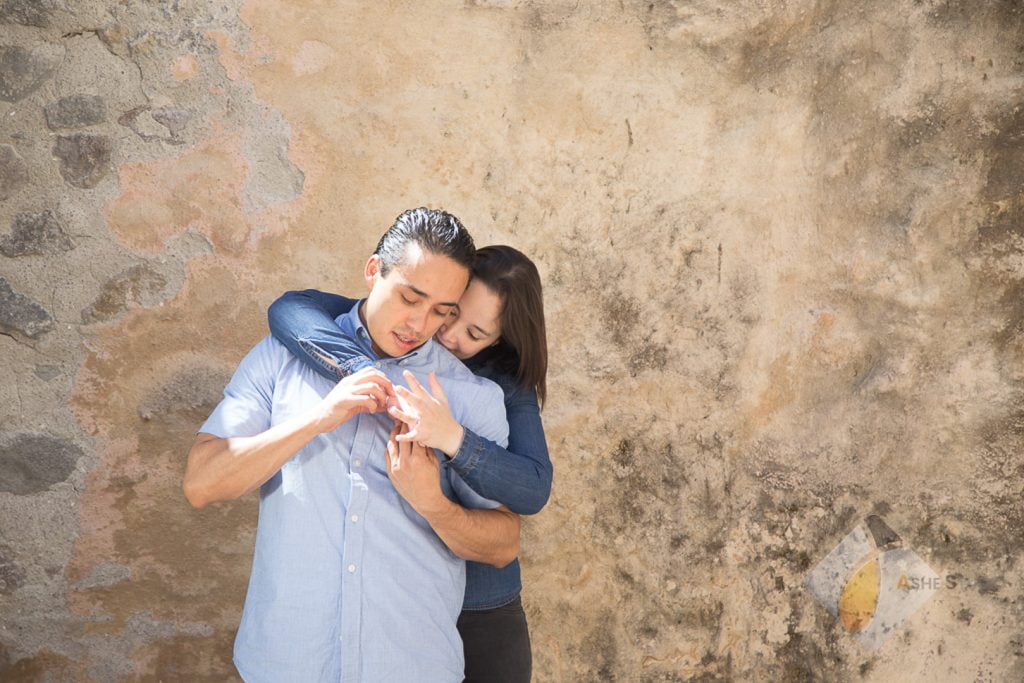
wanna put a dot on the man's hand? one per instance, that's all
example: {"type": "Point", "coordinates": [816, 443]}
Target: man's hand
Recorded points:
{"type": "Point", "coordinates": [488, 536]}
{"type": "Point", "coordinates": [427, 415]}
{"type": "Point", "coordinates": [415, 473]}
{"type": "Point", "coordinates": [366, 391]}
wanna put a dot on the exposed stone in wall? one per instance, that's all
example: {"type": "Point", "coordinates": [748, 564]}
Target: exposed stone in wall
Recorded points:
{"type": "Point", "coordinates": [27, 12]}
{"type": "Point", "coordinates": [84, 158]}
{"type": "Point", "coordinates": [22, 70]}
{"type": "Point", "coordinates": [163, 124]}
{"type": "Point", "coordinates": [30, 463]}
{"type": "Point", "coordinates": [13, 171]}
{"type": "Point", "coordinates": [35, 234]}
{"type": "Point", "coordinates": [19, 314]}
{"type": "Point", "coordinates": [11, 575]}
{"type": "Point", "coordinates": [76, 111]}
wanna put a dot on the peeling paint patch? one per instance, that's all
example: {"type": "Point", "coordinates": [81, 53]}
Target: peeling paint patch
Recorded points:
{"type": "Point", "coordinates": [200, 190]}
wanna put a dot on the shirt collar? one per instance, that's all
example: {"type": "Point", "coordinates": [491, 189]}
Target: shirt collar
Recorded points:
{"type": "Point", "coordinates": [352, 325]}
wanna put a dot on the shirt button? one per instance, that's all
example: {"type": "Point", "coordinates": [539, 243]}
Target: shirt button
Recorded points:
{"type": "Point", "coordinates": [351, 569]}
{"type": "Point", "coordinates": [357, 462]}
{"type": "Point", "coordinates": [355, 518]}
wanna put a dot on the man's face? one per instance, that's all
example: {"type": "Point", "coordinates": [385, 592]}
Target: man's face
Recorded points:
{"type": "Point", "coordinates": [405, 308]}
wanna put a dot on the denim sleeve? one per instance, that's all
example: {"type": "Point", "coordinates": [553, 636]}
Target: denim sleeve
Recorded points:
{"type": "Point", "coordinates": [304, 322]}
{"type": "Point", "coordinates": [519, 476]}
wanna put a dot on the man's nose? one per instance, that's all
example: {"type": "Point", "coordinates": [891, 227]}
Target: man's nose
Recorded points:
{"type": "Point", "coordinates": [417, 321]}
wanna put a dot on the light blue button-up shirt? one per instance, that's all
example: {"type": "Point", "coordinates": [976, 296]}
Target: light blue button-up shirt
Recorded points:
{"type": "Point", "coordinates": [348, 582]}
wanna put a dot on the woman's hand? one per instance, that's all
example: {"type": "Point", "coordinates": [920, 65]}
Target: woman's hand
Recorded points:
{"type": "Point", "coordinates": [427, 416]}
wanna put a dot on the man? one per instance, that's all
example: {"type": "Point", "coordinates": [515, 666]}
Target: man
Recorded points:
{"type": "Point", "coordinates": [351, 579]}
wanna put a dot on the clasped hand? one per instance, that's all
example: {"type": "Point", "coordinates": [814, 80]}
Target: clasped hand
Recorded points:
{"type": "Point", "coordinates": [415, 472]}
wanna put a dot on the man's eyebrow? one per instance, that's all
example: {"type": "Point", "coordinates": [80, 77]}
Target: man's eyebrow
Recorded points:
{"type": "Point", "coordinates": [420, 292]}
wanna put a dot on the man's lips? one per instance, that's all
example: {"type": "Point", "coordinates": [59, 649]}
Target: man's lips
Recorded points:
{"type": "Point", "coordinates": [404, 342]}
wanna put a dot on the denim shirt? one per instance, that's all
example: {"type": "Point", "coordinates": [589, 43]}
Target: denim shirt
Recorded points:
{"type": "Point", "coordinates": [519, 476]}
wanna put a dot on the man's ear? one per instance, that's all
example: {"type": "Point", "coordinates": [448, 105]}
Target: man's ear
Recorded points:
{"type": "Point", "coordinates": [371, 273]}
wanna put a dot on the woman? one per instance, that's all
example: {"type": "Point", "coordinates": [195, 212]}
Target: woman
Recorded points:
{"type": "Point", "coordinates": [498, 332]}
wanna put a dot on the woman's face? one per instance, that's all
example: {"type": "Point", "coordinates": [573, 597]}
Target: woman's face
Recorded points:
{"type": "Point", "coordinates": [475, 324]}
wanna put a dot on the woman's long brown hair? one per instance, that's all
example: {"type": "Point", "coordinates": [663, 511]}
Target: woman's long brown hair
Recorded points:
{"type": "Point", "coordinates": [514, 278]}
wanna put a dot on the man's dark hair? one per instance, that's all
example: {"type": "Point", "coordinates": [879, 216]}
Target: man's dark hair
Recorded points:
{"type": "Point", "coordinates": [435, 231]}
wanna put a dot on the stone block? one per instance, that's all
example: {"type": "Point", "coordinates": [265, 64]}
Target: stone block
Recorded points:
{"type": "Point", "coordinates": [76, 111]}
{"type": "Point", "coordinates": [47, 372]}
{"type": "Point", "coordinates": [172, 119]}
{"type": "Point", "coordinates": [23, 70]}
{"type": "Point", "coordinates": [27, 12]}
{"type": "Point", "coordinates": [13, 171]}
{"type": "Point", "coordinates": [20, 314]}
{"type": "Point", "coordinates": [35, 234]}
{"type": "Point", "coordinates": [84, 158]}
{"type": "Point", "coordinates": [11, 575]}
{"type": "Point", "coordinates": [30, 463]}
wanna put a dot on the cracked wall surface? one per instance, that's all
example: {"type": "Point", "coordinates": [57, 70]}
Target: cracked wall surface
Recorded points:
{"type": "Point", "coordinates": [783, 253]}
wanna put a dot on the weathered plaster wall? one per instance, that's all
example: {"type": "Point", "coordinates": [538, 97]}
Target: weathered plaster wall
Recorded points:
{"type": "Point", "coordinates": [783, 248]}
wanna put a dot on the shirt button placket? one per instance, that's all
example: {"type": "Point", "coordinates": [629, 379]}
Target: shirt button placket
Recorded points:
{"type": "Point", "coordinates": [351, 576]}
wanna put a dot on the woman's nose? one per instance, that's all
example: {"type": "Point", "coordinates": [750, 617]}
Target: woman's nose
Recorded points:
{"type": "Point", "coordinates": [444, 334]}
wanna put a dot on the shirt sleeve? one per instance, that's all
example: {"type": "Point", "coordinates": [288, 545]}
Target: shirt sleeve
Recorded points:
{"type": "Point", "coordinates": [246, 407]}
{"type": "Point", "coordinates": [485, 415]}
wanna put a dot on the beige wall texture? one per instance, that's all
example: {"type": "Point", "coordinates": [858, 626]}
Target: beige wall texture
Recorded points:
{"type": "Point", "coordinates": [783, 251]}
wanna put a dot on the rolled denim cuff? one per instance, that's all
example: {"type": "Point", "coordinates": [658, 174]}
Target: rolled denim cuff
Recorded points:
{"type": "Point", "coordinates": [339, 368]}
{"type": "Point", "coordinates": [354, 365]}
{"type": "Point", "coordinates": [470, 451]}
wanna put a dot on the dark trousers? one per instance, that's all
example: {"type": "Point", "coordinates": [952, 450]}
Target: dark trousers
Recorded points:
{"type": "Point", "coordinates": [496, 643]}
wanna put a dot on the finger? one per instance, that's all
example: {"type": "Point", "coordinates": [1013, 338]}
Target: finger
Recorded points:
{"type": "Point", "coordinates": [409, 397]}
{"type": "Point", "coordinates": [406, 418]}
{"type": "Point", "coordinates": [369, 372]}
{"type": "Point", "coordinates": [382, 381]}
{"type": "Point", "coordinates": [391, 457]}
{"type": "Point", "coordinates": [367, 391]}
{"type": "Point", "coordinates": [373, 376]}
{"type": "Point", "coordinates": [435, 388]}
{"type": "Point", "coordinates": [362, 404]}
{"type": "Point", "coordinates": [395, 430]}
{"type": "Point", "coordinates": [380, 395]}
{"type": "Point", "coordinates": [414, 384]}
{"type": "Point", "coordinates": [404, 448]}
{"type": "Point", "coordinates": [377, 391]}
{"type": "Point", "coordinates": [408, 436]}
